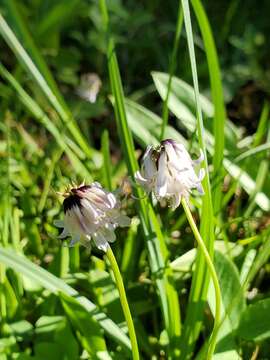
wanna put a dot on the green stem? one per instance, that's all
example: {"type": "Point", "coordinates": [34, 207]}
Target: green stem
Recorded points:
{"type": "Point", "coordinates": [213, 338]}
{"type": "Point", "coordinates": [124, 303]}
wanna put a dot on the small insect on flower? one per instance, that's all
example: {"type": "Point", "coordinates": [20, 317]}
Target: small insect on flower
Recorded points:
{"type": "Point", "coordinates": [91, 213]}
{"type": "Point", "coordinates": [169, 172]}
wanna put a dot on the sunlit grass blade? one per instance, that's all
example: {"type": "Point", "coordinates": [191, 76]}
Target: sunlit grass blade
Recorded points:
{"type": "Point", "coordinates": [158, 254]}
{"type": "Point", "coordinates": [200, 280]}
{"type": "Point", "coordinates": [55, 285]}
{"type": "Point", "coordinates": [52, 96]}
{"type": "Point", "coordinates": [217, 98]}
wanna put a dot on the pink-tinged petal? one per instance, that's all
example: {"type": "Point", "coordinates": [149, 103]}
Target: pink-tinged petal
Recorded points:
{"type": "Point", "coordinates": [112, 200]}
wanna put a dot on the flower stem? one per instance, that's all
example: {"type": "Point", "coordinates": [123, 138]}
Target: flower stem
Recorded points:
{"type": "Point", "coordinates": [213, 338]}
{"type": "Point", "coordinates": [124, 303]}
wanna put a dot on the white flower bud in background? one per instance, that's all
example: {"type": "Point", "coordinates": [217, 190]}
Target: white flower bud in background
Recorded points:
{"type": "Point", "coordinates": [169, 172]}
{"type": "Point", "coordinates": [91, 213]}
{"type": "Point", "coordinates": [89, 87]}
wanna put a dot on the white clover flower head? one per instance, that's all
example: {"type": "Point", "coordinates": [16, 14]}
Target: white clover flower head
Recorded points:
{"type": "Point", "coordinates": [169, 172]}
{"type": "Point", "coordinates": [91, 213]}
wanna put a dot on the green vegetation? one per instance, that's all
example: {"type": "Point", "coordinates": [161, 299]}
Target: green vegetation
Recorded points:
{"type": "Point", "coordinates": [85, 87]}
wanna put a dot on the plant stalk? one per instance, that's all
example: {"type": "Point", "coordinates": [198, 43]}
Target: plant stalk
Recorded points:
{"type": "Point", "coordinates": [124, 303]}
{"type": "Point", "coordinates": [197, 235]}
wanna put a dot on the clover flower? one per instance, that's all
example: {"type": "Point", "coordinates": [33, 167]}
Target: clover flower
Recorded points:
{"type": "Point", "coordinates": [91, 213]}
{"type": "Point", "coordinates": [169, 172]}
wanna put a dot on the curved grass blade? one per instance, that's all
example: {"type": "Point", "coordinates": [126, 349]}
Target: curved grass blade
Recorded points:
{"type": "Point", "coordinates": [50, 282]}
{"type": "Point", "coordinates": [217, 97]}
{"type": "Point", "coordinates": [200, 279]}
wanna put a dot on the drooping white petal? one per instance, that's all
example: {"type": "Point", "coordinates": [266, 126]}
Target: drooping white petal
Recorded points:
{"type": "Point", "coordinates": [149, 166]}
{"type": "Point", "coordinates": [201, 174]}
{"type": "Point", "coordinates": [161, 186]}
{"type": "Point", "coordinates": [170, 151]}
{"type": "Point", "coordinates": [100, 241]}
{"type": "Point", "coordinates": [175, 202]}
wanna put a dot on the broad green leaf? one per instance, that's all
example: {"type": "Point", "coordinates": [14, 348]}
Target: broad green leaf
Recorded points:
{"type": "Point", "coordinates": [48, 350]}
{"type": "Point", "coordinates": [185, 261]}
{"type": "Point", "coordinates": [145, 125]}
{"type": "Point", "coordinates": [255, 322]}
{"type": "Point", "coordinates": [233, 305]}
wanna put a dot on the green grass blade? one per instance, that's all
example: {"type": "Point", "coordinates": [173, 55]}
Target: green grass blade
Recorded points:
{"type": "Point", "coordinates": [172, 67]}
{"type": "Point", "coordinates": [55, 285]}
{"type": "Point", "coordinates": [217, 97]}
{"type": "Point", "coordinates": [200, 280]}
{"type": "Point", "coordinates": [262, 127]}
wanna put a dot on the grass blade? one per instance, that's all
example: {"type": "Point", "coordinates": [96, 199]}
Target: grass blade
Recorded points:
{"type": "Point", "coordinates": [172, 67]}
{"type": "Point", "coordinates": [217, 97]}
{"type": "Point", "coordinates": [200, 280]}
